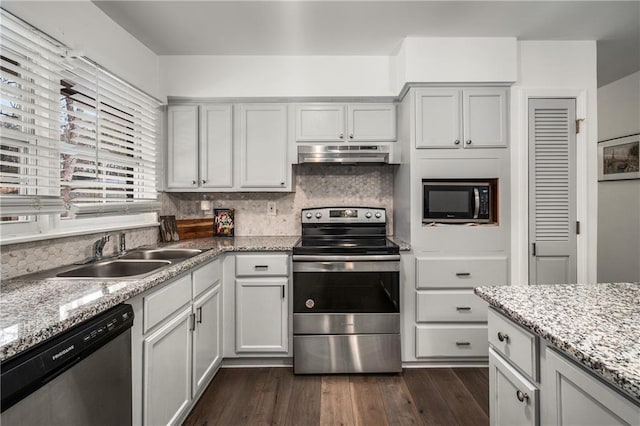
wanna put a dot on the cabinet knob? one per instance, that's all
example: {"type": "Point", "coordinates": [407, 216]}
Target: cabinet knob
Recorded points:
{"type": "Point", "coordinates": [281, 183]}
{"type": "Point", "coordinates": [457, 142]}
{"type": "Point", "coordinates": [522, 397]}
{"type": "Point", "coordinates": [204, 181]}
{"type": "Point", "coordinates": [351, 136]}
{"type": "Point", "coordinates": [469, 142]}
{"type": "Point", "coordinates": [193, 182]}
{"type": "Point", "coordinates": [341, 136]}
{"type": "Point", "coordinates": [503, 337]}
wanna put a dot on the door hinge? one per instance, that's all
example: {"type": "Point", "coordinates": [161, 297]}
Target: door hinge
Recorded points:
{"type": "Point", "coordinates": [578, 124]}
{"type": "Point", "coordinates": [578, 228]}
{"type": "Point", "coordinates": [533, 249]}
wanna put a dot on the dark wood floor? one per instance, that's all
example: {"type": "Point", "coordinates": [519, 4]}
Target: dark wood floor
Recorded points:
{"type": "Point", "coordinates": [274, 396]}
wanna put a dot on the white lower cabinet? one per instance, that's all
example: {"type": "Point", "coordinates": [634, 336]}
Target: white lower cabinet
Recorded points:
{"type": "Point", "coordinates": [261, 315]}
{"type": "Point", "coordinates": [572, 396]}
{"type": "Point", "coordinates": [513, 399]}
{"type": "Point", "coordinates": [167, 371]}
{"type": "Point", "coordinates": [566, 394]}
{"type": "Point", "coordinates": [176, 345]}
{"type": "Point", "coordinates": [207, 340]}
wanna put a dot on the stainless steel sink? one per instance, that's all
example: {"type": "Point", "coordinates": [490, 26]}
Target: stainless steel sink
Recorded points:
{"type": "Point", "coordinates": [117, 268]}
{"type": "Point", "coordinates": [162, 254]}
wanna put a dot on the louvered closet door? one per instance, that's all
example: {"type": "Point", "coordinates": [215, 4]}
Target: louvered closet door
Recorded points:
{"type": "Point", "coordinates": [552, 191]}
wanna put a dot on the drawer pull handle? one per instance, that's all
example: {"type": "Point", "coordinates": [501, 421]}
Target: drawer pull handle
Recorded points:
{"type": "Point", "coordinates": [463, 344]}
{"type": "Point", "coordinates": [199, 310]}
{"type": "Point", "coordinates": [522, 397]}
{"type": "Point", "coordinates": [261, 267]}
{"type": "Point", "coordinates": [503, 337]}
{"type": "Point", "coordinates": [463, 274]}
{"type": "Point", "coordinates": [463, 308]}
{"type": "Point", "coordinates": [192, 327]}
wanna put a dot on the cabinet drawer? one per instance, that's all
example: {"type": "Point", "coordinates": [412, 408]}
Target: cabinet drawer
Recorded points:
{"type": "Point", "coordinates": [514, 343]}
{"type": "Point", "coordinates": [206, 277]}
{"type": "Point", "coordinates": [162, 303]}
{"type": "Point", "coordinates": [513, 400]}
{"type": "Point", "coordinates": [461, 272]}
{"type": "Point", "coordinates": [262, 265]}
{"type": "Point", "coordinates": [450, 306]}
{"type": "Point", "coordinates": [447, 340]}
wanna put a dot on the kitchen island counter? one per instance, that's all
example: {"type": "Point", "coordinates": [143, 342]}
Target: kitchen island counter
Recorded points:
{"type": "Point", "coordinates": [33, 310]}
{"type": "Point", "coordinates": [597, 325]}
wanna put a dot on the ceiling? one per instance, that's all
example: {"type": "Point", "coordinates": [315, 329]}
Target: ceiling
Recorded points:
{"type": "Point", "coordinates": [204, 27]}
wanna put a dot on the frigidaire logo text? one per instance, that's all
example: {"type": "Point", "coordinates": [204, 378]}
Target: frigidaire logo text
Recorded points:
{"type": "Point", "coordinates": [62, 352]}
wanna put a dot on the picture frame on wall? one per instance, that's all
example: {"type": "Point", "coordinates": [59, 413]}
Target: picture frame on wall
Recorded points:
{"type": "Point", "coordinates": [223, 222]}
{"type": "Point", "coordinates": [618, 158]}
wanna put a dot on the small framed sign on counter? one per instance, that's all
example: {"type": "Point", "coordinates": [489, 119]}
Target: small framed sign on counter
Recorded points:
{"type": "Point", "coordinates": [223, 222]}
{"type": "Point", "coordinates": [618, 158]}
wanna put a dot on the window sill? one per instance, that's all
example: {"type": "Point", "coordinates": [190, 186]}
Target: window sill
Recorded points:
{"type": "Point", "coordinates": [71, 233]}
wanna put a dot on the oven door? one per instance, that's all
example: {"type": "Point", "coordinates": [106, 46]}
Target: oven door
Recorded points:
{"type": "Point", "coordinates": [346, 295]}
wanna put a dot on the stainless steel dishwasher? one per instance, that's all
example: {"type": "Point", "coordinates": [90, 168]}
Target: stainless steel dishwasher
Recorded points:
{"type": "Point", "coordinates": [80, 377]}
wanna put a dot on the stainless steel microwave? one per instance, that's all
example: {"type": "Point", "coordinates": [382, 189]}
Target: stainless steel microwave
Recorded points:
{"type": "Point", "coordinates": [459, 201]}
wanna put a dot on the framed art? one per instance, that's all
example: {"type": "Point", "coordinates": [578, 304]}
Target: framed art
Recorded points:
{"type": "Point", "coordinates": [223, 222]}
{"type": "Point", "coordinates": [618, 158]}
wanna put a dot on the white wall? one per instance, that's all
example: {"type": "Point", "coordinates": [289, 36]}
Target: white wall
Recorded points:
{"type": "Point", "coordinates": [555, 69]}
{"type": "Point", "coordinates": [275, 76]}
{"type": "Point", "coordinates": [619, 201]}
{"type": "Point", "coordinates": [451, 60]}
{"type": "Point", "coordinates": [82, 26]}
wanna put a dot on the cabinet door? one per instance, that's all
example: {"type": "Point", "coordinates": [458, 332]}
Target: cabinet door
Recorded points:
{"type": "Point", "coordinates": [207, 337]}
{"type": "Point", "coordinates": [485, 117]}
{"type": "Point", "coordinates": [371, 122]}
{"type": "Point", "coordinates": [261, 315]}
{"type": "Point", "coordinates": [320, 123]}
{"type": "Point", "coordinates": [216, 146]}
{"type": "Point", "coordinates": [182, 147]}
{"type": "Point", "coordinates": [167, 371]}
{"type": "Point", "coordinates": [513, 400]}
{"type": "Point", "coordinates": [438, 118]}
{"type": "Point", "coordinates": [573, 397]}
{"type": "Point", "coordinates": [263, 146]}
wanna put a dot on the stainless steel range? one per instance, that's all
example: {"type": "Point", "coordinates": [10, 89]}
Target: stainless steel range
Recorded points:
{"type": "Point", "coordinates": [346, 296]}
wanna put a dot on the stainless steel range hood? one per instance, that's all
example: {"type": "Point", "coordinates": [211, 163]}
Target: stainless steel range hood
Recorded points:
{"type": "Point", "coordinates": [343, 154]}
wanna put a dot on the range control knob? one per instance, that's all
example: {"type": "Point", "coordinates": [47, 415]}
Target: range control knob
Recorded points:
{"type": "Point", "coordinates": [318, 215]}
{"type": "Point", "coordinates": [378, 215]}
{"type": "Point", "coordinates": [367, 215]}
{"type": "Point", "coordinates": [309, 215]}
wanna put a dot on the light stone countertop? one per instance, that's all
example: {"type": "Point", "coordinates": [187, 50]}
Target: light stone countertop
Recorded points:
{"type": "Point", "coordinates": [33, 310]}
{"type": "Point", "coordinates": [596, 325]}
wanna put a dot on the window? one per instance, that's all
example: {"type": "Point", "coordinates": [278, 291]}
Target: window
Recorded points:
{"type": "Point", "coordinates": [75, 140]}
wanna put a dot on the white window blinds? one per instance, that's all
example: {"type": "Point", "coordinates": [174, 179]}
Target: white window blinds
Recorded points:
{"type": "Point", "coordinates": [31, 66]}
{"type": "Point", "coordinates": [109, 133]}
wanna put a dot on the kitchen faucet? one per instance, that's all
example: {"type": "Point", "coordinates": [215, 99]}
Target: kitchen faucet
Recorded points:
{"type": "Point", "coordinates": [98, 246]}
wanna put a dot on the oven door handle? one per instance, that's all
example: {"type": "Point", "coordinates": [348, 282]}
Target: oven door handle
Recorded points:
{"type": "Point", "coordinates": [343, 258]}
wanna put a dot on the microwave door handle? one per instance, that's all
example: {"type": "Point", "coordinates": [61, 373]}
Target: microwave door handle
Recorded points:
{"type": "Point", "coordinates": [476, 196]}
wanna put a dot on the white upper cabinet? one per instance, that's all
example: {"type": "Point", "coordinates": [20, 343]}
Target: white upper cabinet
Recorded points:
{"type": "Point", "coordinates": [200, 146]}
{"type": "Point", "coordinates": [454, 118]}
{"type": "Point", "coordinates": [320, 123]}
{"type": "Point", "coordinates": [216, 146]}
{"type": "Point", "coordinates": [182, 151]}
{"type": "Point", "coordinates": [346, 122]}
{"type": "Point", "coordinates": [263, 146]}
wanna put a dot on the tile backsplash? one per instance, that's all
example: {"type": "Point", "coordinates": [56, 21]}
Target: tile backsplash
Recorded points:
{"type": "Point", "coordinates": [26, 258]}
{"type": "Point", "coordinates": [315, 186]}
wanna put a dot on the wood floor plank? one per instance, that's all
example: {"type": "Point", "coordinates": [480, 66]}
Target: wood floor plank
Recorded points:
{"type": "Point", "coordinates": [335, 401]}
{"type": "Point", "coordinates": [304, 405]}
{"type": "Point", "coordinates": [398, 403]}
{"type": "Point", "coordinates": [428, 399]}
{"type": "Point", "coordinates": [368, 407]}
{"type": "Point", "coordinates": [476, 383]}
{"type": "Point", "coordinates": [462, 405]}
{"type": "Point", "coordinates": [213, 400]}
{"type": "Point", "coordinates": [243, 397]}
{"type": "Point", "coordinates": [270, 405]}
